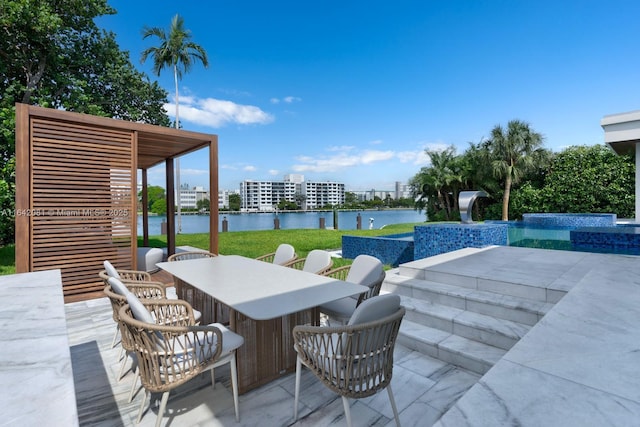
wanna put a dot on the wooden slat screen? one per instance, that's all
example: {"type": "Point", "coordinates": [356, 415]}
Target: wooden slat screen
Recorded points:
{"type": "Point", "coordinates": [83, 193]}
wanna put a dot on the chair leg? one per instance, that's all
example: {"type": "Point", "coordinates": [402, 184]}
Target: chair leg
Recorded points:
{"type": "Point", "coordinates": [393, 405]}
{"type": "Point", "coordinates": [213, 377]}
{"type": "Point", "coordinates": [141, 410]}
{"type": "Point", "coordinates": [163, 405]}
{"type": "Point", "coordinates": [234, 384]}
{"type": "Point", "coordinates": [136, 374]}
{"type": "Point", "coordinates": [114, 341]}
{"type": "Point", "coordinates": [347, 410]}
{"type": "Point", "coordinates": [297, 391]}
{"type": "Point", "coordinates": [122, 365]}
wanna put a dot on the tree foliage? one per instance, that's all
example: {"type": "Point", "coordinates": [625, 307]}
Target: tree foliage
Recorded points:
{"type": "Point", "coordinates": [511, 152]}
{"type": "Point", "coordinates": [203, 204]}
{"type": "Point", "coordinates": [234, 202]}
{"type": "Point", "coordinates": [590, 179]}
{"type": "Point", "coordinates": [53, 54]}
{"type": "Point", "coordinates": [176, 51]}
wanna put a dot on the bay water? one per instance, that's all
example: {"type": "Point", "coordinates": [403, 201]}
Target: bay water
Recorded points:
{"type": "Point", "coordinates": [347, 220]}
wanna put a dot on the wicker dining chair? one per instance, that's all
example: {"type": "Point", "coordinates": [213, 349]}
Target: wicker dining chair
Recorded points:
{"type": "Point", "coordinates": [317, 261]}
{"type": "Point", "coordinates": [284, 254]}
{"type": "Point", "coordinates": [136, 276]}
{"type": "Point", "coordinates": [354, 360]}
{"type": "Point", "coordinates": [365, 270]}
{"type": "Point", "coordinates": [171, 350]}
{"type": "Point", "coordinates": [117, 293]}
{"type": "Point", "coordinates": [129, 276]}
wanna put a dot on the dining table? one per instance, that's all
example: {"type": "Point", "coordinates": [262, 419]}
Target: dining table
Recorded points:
{"type": "Point", "coordinates": [261, 301]}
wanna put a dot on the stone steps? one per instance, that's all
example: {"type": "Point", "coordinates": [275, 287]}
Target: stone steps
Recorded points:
{"type": "Point", "coordinates": [483, 302]}
{"type": "Point", "coordinates": [469, 354]}
{"type": "Point", "coordinates": [451, 318]}
{"type": "Point", "coordinates": [450, 269]}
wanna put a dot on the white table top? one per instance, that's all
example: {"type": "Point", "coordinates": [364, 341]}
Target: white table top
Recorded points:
{"type": "Point", "coordinates": [35, 361]}
{"type": "Point", "coordinates": [258, 289]}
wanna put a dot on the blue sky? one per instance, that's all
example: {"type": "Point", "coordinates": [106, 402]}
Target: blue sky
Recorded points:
{"type": "Point", "coordinates": [355, 91]}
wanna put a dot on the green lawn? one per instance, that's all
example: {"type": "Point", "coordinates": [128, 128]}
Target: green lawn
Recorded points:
{"type": "Point", "coordinates": [251, 243]}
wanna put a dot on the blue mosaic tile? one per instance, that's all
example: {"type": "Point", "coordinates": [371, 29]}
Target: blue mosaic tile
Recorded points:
{"type": "Point", "coordinates": [440, 238]}
{"type": "Point", "coordinates": [620, 239]}
{"type": "Point", "coordinates": [569, 219]}
{"type": "Point", "coordinates": [393, 249]}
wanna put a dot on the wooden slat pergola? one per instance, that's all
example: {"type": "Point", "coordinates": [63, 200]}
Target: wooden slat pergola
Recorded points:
{"type": "Point", "coordinates": [76, 191]}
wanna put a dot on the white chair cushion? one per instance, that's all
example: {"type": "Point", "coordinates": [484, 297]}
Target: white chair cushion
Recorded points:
{"type": "Point", "coordinates": [375, 308]}
{"type": "Point", "coordinates": [365, 270]}
{"type": "Point", "coordinates": [171, 292]}
{"type": "Point", "coordinates": [317, 260]}
{"type": "Point", "coordinates": [341, 308]}
{"type": "Point", "coordinates": [284, 253]}
{"type": "Point", "coordinates": [138, 309]}
{"type": "Point", "coordinates": [230, 340]}
{"type": "Point", "coordinates": [111, 270]}
{"type": "Point", "coordinates": [118, 287]}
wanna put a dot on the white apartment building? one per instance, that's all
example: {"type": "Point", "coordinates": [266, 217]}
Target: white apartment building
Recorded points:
{"type": "Point", "coordinates": [322, 194]}
{"type": "Point", "coordinates": [400, 191]}
{"type": "Point", "coordinates": [189, 197]}
{"type": "Point", "coordinates": [264, 196]}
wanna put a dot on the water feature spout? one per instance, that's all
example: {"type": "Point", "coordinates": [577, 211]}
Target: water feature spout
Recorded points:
{"type": "Point", "coordinates": [465, 202]}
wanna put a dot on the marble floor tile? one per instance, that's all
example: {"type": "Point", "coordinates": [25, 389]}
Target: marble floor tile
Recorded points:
{"type": "Point", "coordinates": [448, 389]}
{"type": "Point", "coordinates": [545, 400]}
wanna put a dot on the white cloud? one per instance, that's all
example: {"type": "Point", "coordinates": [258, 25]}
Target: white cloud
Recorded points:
{"type": "Point", "coordinates": [249, 168]}
{"type": "Point", "coordinates": [418, 157]}
{"type": "Point", "coordinates": [274, 172]}
{"type": "Point", "coordinates": [376, 142]}
{"type": "Point", "coordinates": [340, 148]}
{"type": "Point", "coordinates": [340, 160]}
{"type": "Point", "coordinates": [373, 156]}
{"type": "Point", "coordinates": [286, 100]}
{"type": "Point", "coordinates": [193, 172]}
{"type": "Point", "coordinates": [216, 113]}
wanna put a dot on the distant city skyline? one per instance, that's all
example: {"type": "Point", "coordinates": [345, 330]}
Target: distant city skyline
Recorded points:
{"type": "Point", "coordinates": [356, 91]}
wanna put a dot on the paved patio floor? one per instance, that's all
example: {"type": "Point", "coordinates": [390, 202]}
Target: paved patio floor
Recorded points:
{"type": "Point", "coordinates": [424, 388]}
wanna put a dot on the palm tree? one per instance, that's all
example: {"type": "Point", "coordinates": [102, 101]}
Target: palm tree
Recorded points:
{"type": "Point", "coordinates": [433, 184]}
{"type": "Point", "coordinates": [176, 50]}
{"type": "Point", "coordinates": [512, 155]}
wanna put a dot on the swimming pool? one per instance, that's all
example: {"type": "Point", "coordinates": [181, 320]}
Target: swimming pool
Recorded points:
{"type": "Point", "coordinates": [571, 232]}
{"type": "Point", "coordinates": [531, 236]}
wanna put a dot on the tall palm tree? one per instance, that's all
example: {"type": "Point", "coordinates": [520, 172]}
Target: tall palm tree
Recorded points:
{"type": "Point", "coordinates": [177, 51]}
{"type": "Point", "coordinates": [512, 155]}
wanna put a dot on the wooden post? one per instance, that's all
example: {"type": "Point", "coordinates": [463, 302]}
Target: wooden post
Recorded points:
{"type": "Point", "coordinates": [171, 219]}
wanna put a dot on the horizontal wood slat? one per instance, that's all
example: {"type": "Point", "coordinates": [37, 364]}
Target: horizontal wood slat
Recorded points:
{"type": "Point", "coordinates": [83, 186]}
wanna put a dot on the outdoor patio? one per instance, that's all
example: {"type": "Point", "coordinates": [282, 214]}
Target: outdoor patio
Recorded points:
{"type": "Point", "coordinates": [424, 388]}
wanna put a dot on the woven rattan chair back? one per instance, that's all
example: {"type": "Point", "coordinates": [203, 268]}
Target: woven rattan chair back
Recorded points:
{"type": "Point", "coordinates": [355, 360]}
{"type": "Point", "coordinates": [181, 256]}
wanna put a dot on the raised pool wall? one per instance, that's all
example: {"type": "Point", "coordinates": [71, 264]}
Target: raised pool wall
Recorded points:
{"type": "Point", "coordinates": [393, 249]}
{"type": "Point", "coordinates": [435, 239]}
{"type": "Point", "coordinates": [588, 233]}
{"type": "Point", "coordinates": [570, 220]}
